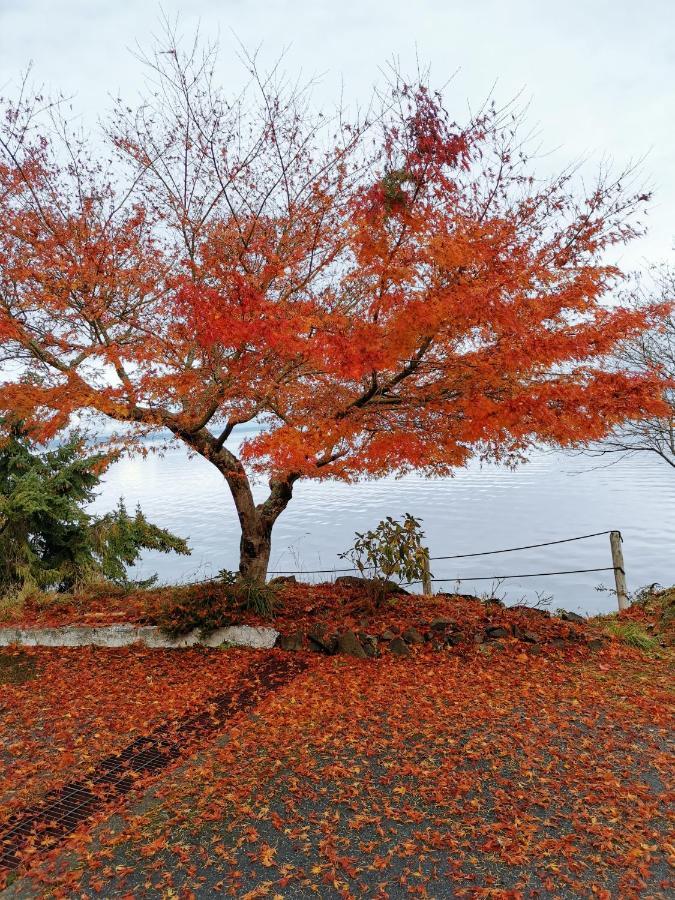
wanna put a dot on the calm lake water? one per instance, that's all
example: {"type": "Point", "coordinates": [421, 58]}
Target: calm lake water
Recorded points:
{"type": "Point", "coordinates": [482, 508]}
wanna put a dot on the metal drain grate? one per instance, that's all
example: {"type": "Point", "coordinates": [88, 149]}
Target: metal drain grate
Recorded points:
{"type": "Point", "coordinates": [62, 810]}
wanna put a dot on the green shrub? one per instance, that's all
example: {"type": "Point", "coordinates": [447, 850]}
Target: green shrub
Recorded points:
{"type": "Point", "coordinates": [227, 576]}
{"type": "Point", "coordinates": [659, 602]}
{"type": "Point", "coordinates": [391, 551]}
{"type": "Point", "coordinates": [204, 607]}
{"type": "Point", "coordinates": [215, 604]}
{"type": "Point", "coordinates": [47, 537]}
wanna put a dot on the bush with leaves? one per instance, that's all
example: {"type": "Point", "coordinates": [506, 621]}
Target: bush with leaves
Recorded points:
{"type": "Point", "coordinates": [214, 604]}
{"type": "Point", "coordinates": [205, 607]}
{"type": "Point", "coordinates": [393, 550]}
{"type": "Point", "coordinates": [47, 537]}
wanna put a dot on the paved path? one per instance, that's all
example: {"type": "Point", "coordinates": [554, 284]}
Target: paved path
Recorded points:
{"type": "Point", "coordinates": [434, 777]}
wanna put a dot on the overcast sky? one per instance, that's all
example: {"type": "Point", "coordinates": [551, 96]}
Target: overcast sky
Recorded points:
{"type": "Point", "coordinates": [599, 74]}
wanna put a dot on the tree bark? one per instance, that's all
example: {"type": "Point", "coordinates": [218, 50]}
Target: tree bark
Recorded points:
{"type": "Point", "coordinates": [256, 521]}
{"type": "Point", "coordinates": [254, 551]}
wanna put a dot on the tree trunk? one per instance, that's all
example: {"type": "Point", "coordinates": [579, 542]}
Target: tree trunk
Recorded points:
{"type": "Point", "coordinates": [256, 521]}
{"type": "Point", "coordinates": [254, 549]}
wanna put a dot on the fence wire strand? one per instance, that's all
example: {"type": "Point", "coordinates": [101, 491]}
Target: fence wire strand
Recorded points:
{"type": "Point", "coordinates": [526, 575]}
{"type": "Point", "coordinates": [581, 537]}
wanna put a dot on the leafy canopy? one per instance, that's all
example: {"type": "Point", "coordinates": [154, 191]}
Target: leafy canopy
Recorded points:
{"type": "Point", "coordinates": [395, 292]}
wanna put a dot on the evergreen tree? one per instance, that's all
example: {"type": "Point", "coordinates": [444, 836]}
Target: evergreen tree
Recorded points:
{"type": "Point", "coordinates": [47, 537]}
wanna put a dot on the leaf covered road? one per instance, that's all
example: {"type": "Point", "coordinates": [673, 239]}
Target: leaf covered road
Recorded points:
{"type": "Point", "coordinates": [447, 774]}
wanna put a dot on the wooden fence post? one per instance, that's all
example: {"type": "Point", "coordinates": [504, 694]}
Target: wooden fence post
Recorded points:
{"type": "Point", "coordinates": [615, 540]}
{"type": "Point", "coordinates": [427, 589]}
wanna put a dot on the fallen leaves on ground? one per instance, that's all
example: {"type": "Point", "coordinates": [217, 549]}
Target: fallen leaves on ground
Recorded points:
{"type": "Point", "coordinates": [296, 606]}
{"type": "Point", "coordinates": [80, 704]}
{"type": "Point", "coordinates": [464, 771]}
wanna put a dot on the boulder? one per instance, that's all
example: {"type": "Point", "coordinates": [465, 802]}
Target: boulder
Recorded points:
{"type": "Point", "coordinates": [412, 636]}
{"type": "Point", "coordinates": [527, 636]}
{"type": "Point", "coordinates": [441, 624]}
{"type": "Point", "coordinates": [454, 594]}
{"type": "Point", "coordinates": [321, 641]}
{"type": "Point", "coordinates": [284, 579]}
{"type": "Point", "coordinates": [454, 639]}
{"type": "Point", "coordinates": [496, 631]}
{"type": "Point", "coordinates": [369, 584]}
{"type": "Point", "coordinates": [533, 610]}
{"type": "Point", "coordinates": [572, 617]}
{"type": "Point", "coordinates": [292, 641]}
{"type": "Point", "coordinates": [399, 647]}
{"type": "Point", "coordinates": [597, 643]}
{"type": "Point", "coordinates": [575, 636]}
{"type": "Point", "coordinates": [369, 644]}
{"type": "Point", "coordinates": [387, 635]}
{"type": "Point", "coordinates": [352, 581]}
{"type": "Point", "coordinates": [350, 645]}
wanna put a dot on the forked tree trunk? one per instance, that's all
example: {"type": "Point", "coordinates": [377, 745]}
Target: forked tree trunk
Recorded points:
{"type": "Point", "coordinates": [256, 521]}
{"type": "Point", "coordinates": [256, 524]}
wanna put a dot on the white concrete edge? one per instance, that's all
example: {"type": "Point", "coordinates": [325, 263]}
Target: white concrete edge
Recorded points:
{"type": "Point", "coordinates": [126, 634]}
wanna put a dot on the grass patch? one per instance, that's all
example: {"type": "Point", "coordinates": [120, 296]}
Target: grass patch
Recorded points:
{"type": "Point", "coordinates": [255, 597]}
{"type": "Point", "coordinates": [11, 606]}
{"type": "Point", "coordinates": [632, 634]}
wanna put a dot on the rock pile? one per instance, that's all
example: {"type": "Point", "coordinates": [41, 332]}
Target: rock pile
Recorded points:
{"type": "Point", "coordinates": [440, 633]}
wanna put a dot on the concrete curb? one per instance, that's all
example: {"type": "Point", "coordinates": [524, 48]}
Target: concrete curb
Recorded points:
{"type": "Point", "coordinates": [125, 634]}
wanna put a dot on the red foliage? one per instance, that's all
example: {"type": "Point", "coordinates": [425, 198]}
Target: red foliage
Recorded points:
{"type": "Point", "coordinates": [84, 704]}
{"type": "Point", "coordinates": [297, 607]}
{"type": "Point", "coordinates": [382, 296]}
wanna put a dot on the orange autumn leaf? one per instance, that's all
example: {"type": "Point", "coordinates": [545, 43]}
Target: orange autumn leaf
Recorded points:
{"type": "Point", "coordinates": [378, 300]}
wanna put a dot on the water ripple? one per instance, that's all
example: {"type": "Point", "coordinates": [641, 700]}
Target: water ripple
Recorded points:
{"type": "Point", "coordinates": [481, 508]}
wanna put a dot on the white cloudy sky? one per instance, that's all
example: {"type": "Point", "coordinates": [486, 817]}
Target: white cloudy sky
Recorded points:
{"type": "Point", "coordinates": [600, 74]}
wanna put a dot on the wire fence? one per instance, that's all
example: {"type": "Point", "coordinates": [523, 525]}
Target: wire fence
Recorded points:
{"type": "Point", "coordinates": [580, 537]}
{"type": "Point", "coordinates": [617, 566]}
{"type": "Point", "coordinates": [504, 577]}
